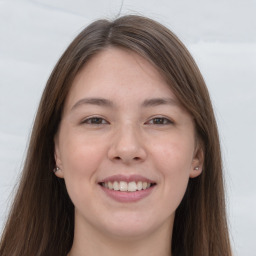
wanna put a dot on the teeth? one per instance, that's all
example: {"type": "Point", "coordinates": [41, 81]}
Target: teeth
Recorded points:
{"type": "Point", "coordinates": [108, 185]}
{"type": "Point", "coordinates": [132, 186]}
{"type": "Point", "coordinates": [123, 186]}
{"type": "Point", "coordinates": [116, 185]}
{"type": "Point", "coordinates": [139, 185]}
{"type": "Point", "coordinates": [126, 186]}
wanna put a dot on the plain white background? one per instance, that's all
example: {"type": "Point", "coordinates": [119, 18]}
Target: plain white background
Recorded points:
{"type": "Point", "coordinates": [220, 34]}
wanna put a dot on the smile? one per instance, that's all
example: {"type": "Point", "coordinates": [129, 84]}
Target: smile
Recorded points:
{"type": "Point", "coordinates": [127, 189]}
{"type": "Point", "coordinates": [127, 186]}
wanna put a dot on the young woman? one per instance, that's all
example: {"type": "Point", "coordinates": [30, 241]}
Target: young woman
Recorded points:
{"type": "Point", "coordinates": [124, 157]}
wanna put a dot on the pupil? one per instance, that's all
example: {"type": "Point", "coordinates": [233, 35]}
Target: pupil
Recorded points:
{"type": "Point", "coordinates": [158, 120]}
{"type": "Point", "coordinates": [96, 120]}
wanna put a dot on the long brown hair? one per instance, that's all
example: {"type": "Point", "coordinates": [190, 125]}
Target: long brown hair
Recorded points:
{"type": "Point", "coordinates": [41, 221]}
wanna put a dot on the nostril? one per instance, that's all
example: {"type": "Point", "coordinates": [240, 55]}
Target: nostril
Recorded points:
{"type": "Point", "coordinates": [120, 158]}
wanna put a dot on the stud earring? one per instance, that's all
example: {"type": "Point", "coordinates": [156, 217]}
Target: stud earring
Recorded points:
{"type": "Point", "coordinates": [197, 168]}
{"type": "Point", "coordinates": [56, 169]}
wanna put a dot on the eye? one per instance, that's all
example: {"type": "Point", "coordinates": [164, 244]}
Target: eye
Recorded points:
{"type": "Point", "coordinates": [95, 121]}
{"type": "Point", "coordinates": [160, 121]}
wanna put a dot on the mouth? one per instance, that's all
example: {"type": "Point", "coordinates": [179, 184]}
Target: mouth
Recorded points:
{"type": "Point", "coordinates": [124, 186]}
{"type": "Point", "coordinates": [127, 189]}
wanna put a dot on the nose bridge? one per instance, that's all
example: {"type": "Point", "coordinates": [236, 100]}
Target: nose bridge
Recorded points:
{"type": "Point", "coordinates": [127, 144]}
{"type": "Point", "coordinates": [128, 136]}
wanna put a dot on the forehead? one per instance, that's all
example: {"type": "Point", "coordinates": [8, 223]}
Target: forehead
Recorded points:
{"type": "Point", "coordinates": [120, 74]}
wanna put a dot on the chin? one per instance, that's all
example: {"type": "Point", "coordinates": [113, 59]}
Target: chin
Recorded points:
{"type": "Point", "coordinates": [131, 233]}
{"type": "Point", "coordinates": [132, 227]}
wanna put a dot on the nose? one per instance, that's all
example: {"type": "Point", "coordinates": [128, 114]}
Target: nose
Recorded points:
{"type": "Point", "coordinates": [127, 146]}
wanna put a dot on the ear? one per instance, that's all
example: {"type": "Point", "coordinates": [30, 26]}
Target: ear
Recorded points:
{"type": "Point", "coordinates": [197, 162]}
{"type": "Point", "coordinates": [59, 173]}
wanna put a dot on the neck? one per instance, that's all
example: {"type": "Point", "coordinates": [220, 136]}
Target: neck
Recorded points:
{"type": "Point", "coordinates": [94, 243]}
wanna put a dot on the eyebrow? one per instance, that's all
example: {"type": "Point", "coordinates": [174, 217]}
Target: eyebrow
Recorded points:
{"type": "Point", "coordinates": [93, 101]}
{"type": "Point", "coordinates": [159, 101]}
{"type": "Point", "coordinates": [107, 103]}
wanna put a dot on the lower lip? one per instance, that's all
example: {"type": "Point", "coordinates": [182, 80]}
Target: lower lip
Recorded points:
{"type": "Point", "coordinates": [127, 197]}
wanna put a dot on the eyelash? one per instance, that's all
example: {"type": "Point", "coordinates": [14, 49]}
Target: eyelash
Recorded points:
{"type": "Point", "coordinates": [163, 121]}
{"type": "Point", "coordinates": [95, 120]}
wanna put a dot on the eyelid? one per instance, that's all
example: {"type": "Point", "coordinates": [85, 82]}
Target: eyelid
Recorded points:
{"type": "Point", "coordinates": [88, 120]}
{"type": "Point", "coordinates": [169, 121]}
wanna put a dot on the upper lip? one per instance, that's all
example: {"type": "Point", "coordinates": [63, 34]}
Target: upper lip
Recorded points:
{"type": "Point", "coordinates": [126, 178]}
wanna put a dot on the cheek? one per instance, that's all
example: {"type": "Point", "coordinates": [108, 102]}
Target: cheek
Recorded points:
{"type": "Point", "coordinates": [79, 155]}
{"type": "Point", "coordinates": [174, 156]}
{"type": "Point", "coordinates": [173, 161]}
{"type": "Point", "coordinates": [80, 160]}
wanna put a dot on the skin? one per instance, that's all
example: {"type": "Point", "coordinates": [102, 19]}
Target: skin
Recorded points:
{"type": "Point", "coordinates": [156, 140]}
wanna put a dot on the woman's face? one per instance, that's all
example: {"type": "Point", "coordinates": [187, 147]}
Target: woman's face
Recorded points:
{"type": "Point", "coordinates": [125, 147]}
